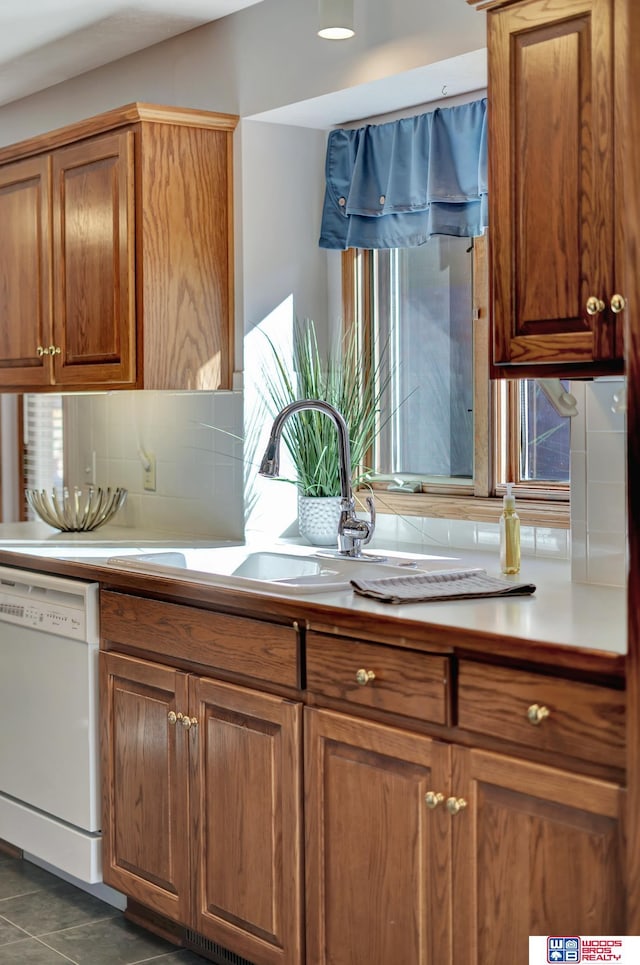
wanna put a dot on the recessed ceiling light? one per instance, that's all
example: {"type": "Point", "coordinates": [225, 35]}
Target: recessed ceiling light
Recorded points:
{"type": "Point", "coordinates": [335, 19]}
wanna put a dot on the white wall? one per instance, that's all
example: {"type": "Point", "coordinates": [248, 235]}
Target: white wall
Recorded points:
{"type": "Point", "coordinates": [282, 186]}
{"type": "Point", "coordinates": [284, 278]}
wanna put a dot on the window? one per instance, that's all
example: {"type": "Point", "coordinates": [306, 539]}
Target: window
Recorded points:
{"type": "Point", "coordinates": [42, 435]}
{"type": "Point", "coordinates": [452, 432]}
{"type": "Point", "coordinates": [421, 309]}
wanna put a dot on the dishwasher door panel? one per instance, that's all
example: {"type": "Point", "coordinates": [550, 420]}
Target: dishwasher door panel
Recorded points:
{"type": "Point", "coordinates": [48, 739]}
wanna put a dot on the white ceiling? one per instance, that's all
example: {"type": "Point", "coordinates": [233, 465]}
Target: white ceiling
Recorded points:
{"type": "Point", "coordinates": [43, 42]}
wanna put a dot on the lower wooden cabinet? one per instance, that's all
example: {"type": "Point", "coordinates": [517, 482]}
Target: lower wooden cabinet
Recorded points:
{"type": "Point", "coordinates": [246, 818]}
{"type": "Point", "coordinates": [536, 851]}
{"type": "Point", "coordinates": [378, 860]}
{"type": "Point", "coordinates": [145, 788]}
{"type": "Point", "coordinates": [420, 852]}
{"type": "Point", "coordinates": [417, 850]}
{"type": "Point", "coordinates": [202, 805]}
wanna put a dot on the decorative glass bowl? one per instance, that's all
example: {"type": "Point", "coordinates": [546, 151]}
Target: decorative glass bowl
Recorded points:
{"type": "Point", "coordinates": [76, 510]}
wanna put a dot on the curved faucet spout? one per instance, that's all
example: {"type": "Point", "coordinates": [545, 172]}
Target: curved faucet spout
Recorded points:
{"type": "Point", "coordinates": [352, 531]}
{"type": "Point", "coordinates": [270, 465]}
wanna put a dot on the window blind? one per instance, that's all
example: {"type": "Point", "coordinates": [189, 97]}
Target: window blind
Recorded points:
{"type": "Point", "coordinates": [43, 456]}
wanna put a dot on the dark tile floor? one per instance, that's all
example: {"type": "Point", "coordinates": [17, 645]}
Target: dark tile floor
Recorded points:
{"type": "Point", "coordinates": [46, 921]}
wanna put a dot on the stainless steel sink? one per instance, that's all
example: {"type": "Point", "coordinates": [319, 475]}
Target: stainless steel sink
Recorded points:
{"type": "Point", "coordinates": [295, 571]}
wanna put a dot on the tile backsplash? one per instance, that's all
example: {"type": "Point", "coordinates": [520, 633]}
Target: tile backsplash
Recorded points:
{"type": "Point", "coordinates": [427, 535]}
{"type": "Point", "coordinates": [196, 439]}
{"type": "Point", "coordinates": [598, 484]}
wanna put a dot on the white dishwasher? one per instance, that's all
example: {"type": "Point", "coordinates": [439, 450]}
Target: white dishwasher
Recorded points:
{"type": "Point", "coordinates": [49, 776]}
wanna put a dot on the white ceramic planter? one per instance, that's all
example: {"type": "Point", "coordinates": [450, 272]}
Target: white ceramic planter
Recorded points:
{"type": "Point", "coordinates": [318, 518]}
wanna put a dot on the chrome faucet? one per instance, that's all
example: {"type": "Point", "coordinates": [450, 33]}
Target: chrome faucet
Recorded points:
{"type": "Point", "coordinates": [353, 532]}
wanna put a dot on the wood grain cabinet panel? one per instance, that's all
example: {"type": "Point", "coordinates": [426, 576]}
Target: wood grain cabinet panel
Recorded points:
{"type": "Point", "coordinates": [128, 219]}
{"type": "Point", "coordinates": [25, 273]}
{"type": "Point", "coordinates": [399, 681]}
{"type": "Point", "coordinates": [94, 262]}
{"type": "Point", "coordinates": [145, 792]}
{"type": "Point", "coordinates": [378, 859]}
{"type": "Point", "coordinates": [239, 645]}
{"type": "Point", "coordinates": [565, 716]}
{"type": "Point", "coordinates": [537, 851]}
{"type": "Point", "coordinates": [555, 85]}
{"type": "Point", "coordinates": [246, 815]}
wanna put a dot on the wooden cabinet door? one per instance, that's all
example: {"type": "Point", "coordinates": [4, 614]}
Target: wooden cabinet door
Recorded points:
{"type": "Point", "coordinates": [552, 188]}
{"type": "Point", "coordinates": [93, 261]}
{"type": "Point", "coordinates": [378, 859]}
{"type": "Point", "coordinates": [537, 851]}
{"type": "Point", "coordinates": [145, 783]}
{"type": "Point", "coordinates": [25, 274]}
{"type": "Point", "coordinates": [246, 817]}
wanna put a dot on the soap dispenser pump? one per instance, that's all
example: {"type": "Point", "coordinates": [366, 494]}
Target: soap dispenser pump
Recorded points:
{"type": "Point", "coordinates": [509, 534]}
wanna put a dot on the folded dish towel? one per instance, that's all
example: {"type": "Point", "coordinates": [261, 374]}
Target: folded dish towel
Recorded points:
{"type": "Point", "coordinates": [440, 585]}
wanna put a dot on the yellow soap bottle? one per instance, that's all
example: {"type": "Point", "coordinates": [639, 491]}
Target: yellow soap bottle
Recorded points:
{"type": "Point", "coordinates": [509, 534]}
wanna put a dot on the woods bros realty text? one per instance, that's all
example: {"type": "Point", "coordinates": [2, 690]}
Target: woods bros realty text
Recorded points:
{"type": "Point", "coordinates": [565, 949]}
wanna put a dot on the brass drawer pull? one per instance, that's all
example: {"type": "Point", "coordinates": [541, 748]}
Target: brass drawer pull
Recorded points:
{"type": "Point", "coordinates": [364, 676]}
{"type": "Point", "coordinates": [455, 805]}
{"type": "Point", "coordinates": [618, 304]}
{"type": "Point", "coordinates": [594, 305]}
{"type": "Point", "coordinates": [433, 799]}
{"type": "Point", "coordinates": [536, 713]}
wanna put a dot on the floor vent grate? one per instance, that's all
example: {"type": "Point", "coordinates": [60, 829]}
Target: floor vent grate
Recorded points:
{"type": "Point", "coordinates": [214, 952]}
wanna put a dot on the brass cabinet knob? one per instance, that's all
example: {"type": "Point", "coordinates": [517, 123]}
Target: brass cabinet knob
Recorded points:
{"type": "Point", "coordinates": [42, 351]}
{"type": "Point", "coordinates": [433, 799]}
{"type": "Point", "coordinates": [186, 721]}
{"type": "Point", "coordinates": [536, 713]}
{"type": "Point", "coordinates": [456, 804]}
{"type": "Point", "coordinates": [364, 676]}
{"type": "Point", "coordinates": [54, 350]}
{"type": "Point", "coordinates": [594, 305]}
{"type": "Point", "coordinates": [618, 304]}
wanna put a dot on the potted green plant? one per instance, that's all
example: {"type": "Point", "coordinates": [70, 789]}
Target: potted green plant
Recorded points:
{"type": "Point", "coordinates": [355, 386]}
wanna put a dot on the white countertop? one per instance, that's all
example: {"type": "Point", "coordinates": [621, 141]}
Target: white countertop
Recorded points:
{"type": "Point", "coordinates": [561, 612]}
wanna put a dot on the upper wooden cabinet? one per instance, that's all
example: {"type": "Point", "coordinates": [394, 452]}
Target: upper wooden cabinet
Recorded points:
{"type": "Point", "coordinates": [116, 254]}
{"type": "Point", "coordinates": [25, 273]}
{"type": "Point", "coordinates": [556, 218]}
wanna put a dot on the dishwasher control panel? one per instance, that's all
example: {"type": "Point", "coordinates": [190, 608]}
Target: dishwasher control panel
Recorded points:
{"type": "Point", "coordinates": [66, 608]}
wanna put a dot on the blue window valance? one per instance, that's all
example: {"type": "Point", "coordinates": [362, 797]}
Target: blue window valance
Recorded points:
{"type": "Point", "coordinates": [394, 185]}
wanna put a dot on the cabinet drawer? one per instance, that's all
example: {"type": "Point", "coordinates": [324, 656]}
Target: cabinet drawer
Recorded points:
{"type": "Point", "coordinates": [239, 645]}
{"type": "Point", "coordinates": [577, 719]}
{"type": "Point", "coordinates": [404, 682]}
